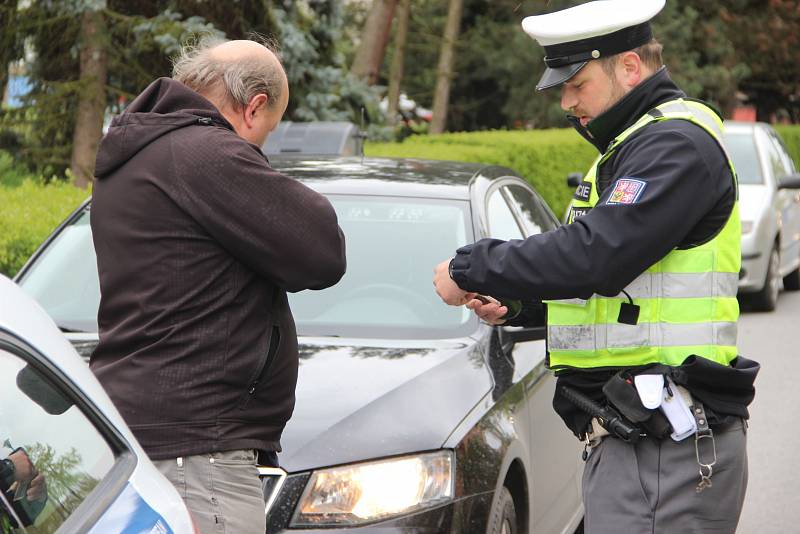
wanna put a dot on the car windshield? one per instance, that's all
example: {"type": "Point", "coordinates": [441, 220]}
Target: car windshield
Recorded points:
{"type": "Point", "coordinates": [393, 243]}
{"type": "Point", "coordinates": [742, 150]}
{"type": "Point", "coordinates": [63, 280]}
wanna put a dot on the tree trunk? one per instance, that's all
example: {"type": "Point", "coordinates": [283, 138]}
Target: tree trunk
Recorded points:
{"type": "Point", "coordinates": [92, 103]}
{"type": "Point", "coordinates": [377, 28]}
{"type": "Point", "coordinates": [444, 71]}
{"type": "Point", "coordinates": [396, 72]}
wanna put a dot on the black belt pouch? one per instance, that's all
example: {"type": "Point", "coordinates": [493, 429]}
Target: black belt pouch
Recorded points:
{"type": "Point", "coordinates": [625, 398]}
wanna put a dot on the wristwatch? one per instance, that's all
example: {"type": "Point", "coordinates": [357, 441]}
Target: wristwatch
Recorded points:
{"type": "Point", "coordinates": [8, 473]}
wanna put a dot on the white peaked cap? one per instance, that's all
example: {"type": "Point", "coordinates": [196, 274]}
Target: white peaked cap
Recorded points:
{"type": "Point", "coordinates": [572, 37]}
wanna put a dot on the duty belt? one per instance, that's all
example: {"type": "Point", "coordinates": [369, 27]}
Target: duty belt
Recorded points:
{"type": "Point", "coordinates": [704, 443]}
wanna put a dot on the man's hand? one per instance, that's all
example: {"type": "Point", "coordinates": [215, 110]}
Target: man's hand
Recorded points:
{"type": "Point", "coordinates": [37, 491]}
{"type": "Point", "coordinates": [446, 288]}
{"type": "Point", "coordinates": [490, 312]}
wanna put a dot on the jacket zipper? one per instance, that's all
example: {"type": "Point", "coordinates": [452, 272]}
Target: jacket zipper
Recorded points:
{"type": "Point", "coordinates": [263, 367]}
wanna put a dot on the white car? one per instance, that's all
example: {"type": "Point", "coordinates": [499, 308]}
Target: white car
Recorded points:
{"type": "Point", "coordinates": [68, 462]}
{"type": "Point", "coordinates": [769, 206]}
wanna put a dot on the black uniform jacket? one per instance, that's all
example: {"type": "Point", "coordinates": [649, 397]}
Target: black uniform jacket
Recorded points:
{"type": "Point", "coordinates": [686, 199]}
{"type": "Point", "coordinates": [198, 240]}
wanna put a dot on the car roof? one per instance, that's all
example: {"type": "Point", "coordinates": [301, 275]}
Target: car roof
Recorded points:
{"type": "Point", "coordinates": [742, 127]}
{"type": "Point", "coordinates": [24, 318]}
{"type": "Point", "coordinates": [386, 176]}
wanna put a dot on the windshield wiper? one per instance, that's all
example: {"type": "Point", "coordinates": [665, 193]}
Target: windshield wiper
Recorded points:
{"type": "Point", "coordinates": [71, 330]}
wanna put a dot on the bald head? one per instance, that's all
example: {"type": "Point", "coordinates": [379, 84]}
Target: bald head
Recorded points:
{"type": "Point", "coordinates": [231, 73]}
{"type": "Point", "coordinates": [243, 79]}
{"type": "Point", "coordinates": [242, 50]}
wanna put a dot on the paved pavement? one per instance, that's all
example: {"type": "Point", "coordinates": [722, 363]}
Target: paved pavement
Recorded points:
{"type": "Point", "coordinates": [772, 505]}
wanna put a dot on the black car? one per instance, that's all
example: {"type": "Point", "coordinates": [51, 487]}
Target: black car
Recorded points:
{"type": "Point", "coordinates": [411, 416]}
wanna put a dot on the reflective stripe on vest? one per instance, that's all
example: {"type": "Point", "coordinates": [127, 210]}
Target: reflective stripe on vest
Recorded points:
{"type": "Point", "coordinates": [687, 299]}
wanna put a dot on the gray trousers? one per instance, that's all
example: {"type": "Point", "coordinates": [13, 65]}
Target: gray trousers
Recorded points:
{"type": "Point", "coordinates": [221, 489]}
{"type": "Point", "coordinates": [650, 487]}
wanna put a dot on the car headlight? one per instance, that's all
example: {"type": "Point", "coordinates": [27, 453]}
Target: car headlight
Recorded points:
{"type": "Point", "coordinates": [360, 493]}
{"type": "Point", "coordinates": [747, 227]}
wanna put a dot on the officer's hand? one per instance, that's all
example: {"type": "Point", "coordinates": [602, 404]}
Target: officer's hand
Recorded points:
{"type": "Point", "coordinates": [490, 312]}
{"type": "Point", "coordinates": [23, 467]}
{"type": "Point", "coordinates": [446, 288]}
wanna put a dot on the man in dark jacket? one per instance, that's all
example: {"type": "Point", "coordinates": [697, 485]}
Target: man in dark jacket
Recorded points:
{"type": "Point", "coordinates": [198, 240]}
{"type": "Point", "coordinates": [640, 286]}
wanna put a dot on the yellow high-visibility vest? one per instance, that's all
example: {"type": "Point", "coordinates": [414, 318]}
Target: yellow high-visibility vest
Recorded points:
{"type": "Point", "coordinates": [687, 299]}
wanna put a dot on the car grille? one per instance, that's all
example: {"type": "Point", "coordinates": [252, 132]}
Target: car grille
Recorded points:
{"type": "Point", "coordinates": [272, 479]}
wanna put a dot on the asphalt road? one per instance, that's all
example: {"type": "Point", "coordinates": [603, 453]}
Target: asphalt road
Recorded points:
{"type": "Point", "coordinates": [772, 505]}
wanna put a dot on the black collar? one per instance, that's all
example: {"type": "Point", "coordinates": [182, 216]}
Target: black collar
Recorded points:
{"type": "Point", "coordinates": [655, 90]}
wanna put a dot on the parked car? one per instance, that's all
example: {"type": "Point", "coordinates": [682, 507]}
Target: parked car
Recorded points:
{"type": "Point", "coordinates": [769, 206]}
{"type": "Point", "coordinates": [411, 415]}
{"type": "Point", "coordinates": [69, 462]}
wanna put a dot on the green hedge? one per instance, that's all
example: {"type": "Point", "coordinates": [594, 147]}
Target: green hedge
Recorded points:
{"type": "Point", "coordinates": [29, 211]}
{"type": "Point", "coordinates": [543, 157]}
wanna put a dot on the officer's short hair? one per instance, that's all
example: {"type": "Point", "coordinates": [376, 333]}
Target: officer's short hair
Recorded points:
{"type": "Point", "coordinates": [649, 53]}
{"type": "Point", "coordinates": [239, 80]}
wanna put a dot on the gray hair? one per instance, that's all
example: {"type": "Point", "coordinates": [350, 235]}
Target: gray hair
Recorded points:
{"type": "Point", "coordinates": [241, 79]}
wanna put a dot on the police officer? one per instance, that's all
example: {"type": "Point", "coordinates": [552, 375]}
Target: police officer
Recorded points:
{"type": "Point", "coordinates": [640, 287]}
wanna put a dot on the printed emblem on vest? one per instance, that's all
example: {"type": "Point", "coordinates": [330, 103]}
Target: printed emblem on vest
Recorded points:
{"type": "Point", "coordinates": [626, 191]}
{"type": "Point", "coordinates": [583, 191]}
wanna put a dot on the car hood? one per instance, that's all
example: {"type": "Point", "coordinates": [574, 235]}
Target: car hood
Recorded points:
{"type": "Point", "coordinates": [359, 400]}
{"type": "Point", "coordinates": [365, 399]}
{"type": "Point", "coordinates": [752, 200]}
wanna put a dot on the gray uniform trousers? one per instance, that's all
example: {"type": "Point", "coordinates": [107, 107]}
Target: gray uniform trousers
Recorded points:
{"type": "Point", "coordinates": [221, 489]}
{"type": "Point", "coordinates": [650, 487]}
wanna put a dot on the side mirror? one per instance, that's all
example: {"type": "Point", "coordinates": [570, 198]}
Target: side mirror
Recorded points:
{"type": "Point", "coordinates": [510, 335]}
{"type": "Point", "coordinates": [791, 181]}
{"type": "Point", "coordinates": [574, 179]}
{"type": "Point", "coordinates": [41, 391]}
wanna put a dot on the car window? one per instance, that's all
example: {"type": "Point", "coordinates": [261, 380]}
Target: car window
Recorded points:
{"type": "Point", "coordinates": [535, 216]}
{"type": "Point", "coordinates": [502, 224]}
{"type": "Point", "coordinates": [393, 243]}
{"type": "Point", "coordinates": [786, 160]}
{"type": "Point", "coordinates": [776, 159]}
{"type": "Point", "coordinates": [57, 454]}
{"type": "Point", "coordinates": [743, 153]}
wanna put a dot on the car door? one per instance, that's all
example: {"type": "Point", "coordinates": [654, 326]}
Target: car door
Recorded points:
{"type": "Point", "coordinates": [514, 211]}
{"type": "Point", "coordinates": [788, 203]}
{"type": "Point", "coordinates": [69, 467]}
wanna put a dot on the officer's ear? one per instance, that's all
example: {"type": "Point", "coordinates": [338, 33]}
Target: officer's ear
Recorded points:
{"type": "Point", "coordinates": [630, 69]}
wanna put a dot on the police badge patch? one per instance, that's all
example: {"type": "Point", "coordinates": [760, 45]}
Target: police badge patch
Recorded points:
{"type": "Point", "coordinates": [626, 191]}
{"type": "Point", "coordinates": [584, 191]}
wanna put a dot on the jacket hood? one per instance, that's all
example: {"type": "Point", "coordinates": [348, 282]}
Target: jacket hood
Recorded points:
{"type": "Point", "coordinates": [165, 105]}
